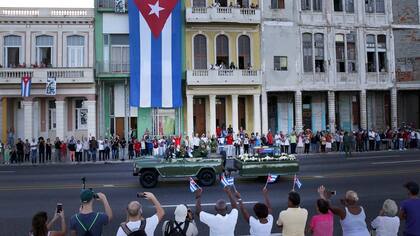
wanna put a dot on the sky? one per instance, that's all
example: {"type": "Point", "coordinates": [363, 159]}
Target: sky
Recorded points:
{"type": "Point", "coordinates": [47, 3]}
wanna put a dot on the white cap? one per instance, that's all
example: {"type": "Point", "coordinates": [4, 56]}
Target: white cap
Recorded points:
{"type": "Point", "coordinates": [180, 213]}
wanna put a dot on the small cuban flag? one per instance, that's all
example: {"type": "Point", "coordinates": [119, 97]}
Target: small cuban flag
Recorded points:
{"type": "Point", "coordinates": [271, 178]}
{"type": "Point", "coordinates": [227, 181]}
{"type": "Point", "coordinates": [26, 86]}
{"type": "Point", "coordinates": [193, 185]}
{"type": "Point", "coordinates": [296, 182]}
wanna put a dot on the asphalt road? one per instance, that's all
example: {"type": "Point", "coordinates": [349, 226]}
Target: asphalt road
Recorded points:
{"type": "Point", "coordinates": [24, 190]}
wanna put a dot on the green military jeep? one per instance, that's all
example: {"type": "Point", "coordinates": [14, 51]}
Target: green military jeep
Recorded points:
{"type": "Point", "coordinates": [149, 170]}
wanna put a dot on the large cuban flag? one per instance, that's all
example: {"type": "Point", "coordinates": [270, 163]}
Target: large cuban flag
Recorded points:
{"type": "Point", "coordinates": [155, 53]}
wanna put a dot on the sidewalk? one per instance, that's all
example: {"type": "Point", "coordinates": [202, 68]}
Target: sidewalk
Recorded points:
{"type": "Point", "coordinates": [69, 163]}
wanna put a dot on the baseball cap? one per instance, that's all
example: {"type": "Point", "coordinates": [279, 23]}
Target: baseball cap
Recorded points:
{"type": "Point", "coordinates": [180, 213]}
{"type": "Point", "coordinates": [86, 195]}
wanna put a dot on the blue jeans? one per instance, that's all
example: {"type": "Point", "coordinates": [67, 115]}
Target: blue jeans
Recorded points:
{"type": "Point", "coordinates": [93, 153]}
{"type": "Point", "coordinates": [33, 156]}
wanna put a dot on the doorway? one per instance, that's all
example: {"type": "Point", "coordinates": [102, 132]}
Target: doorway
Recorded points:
{"type": "Point", "coordinates": [199, 116]}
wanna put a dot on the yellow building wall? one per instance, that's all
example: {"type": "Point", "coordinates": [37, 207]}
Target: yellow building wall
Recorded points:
{"type": "Point", "coordinates": [228, 111]}
{"type": "Point", "coordinates": [233, 35]}
{"type": "Point", "coordinates": [249, 114]}
{"type": "Point", "coordinates": [4, 120]}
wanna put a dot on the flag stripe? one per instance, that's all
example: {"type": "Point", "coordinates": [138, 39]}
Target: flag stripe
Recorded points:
{"type": "Point", "coordinates": [167, 64]}
{"type": "Point", "coordinates": [145, 63]}
{"type": "Point", "coordinates": [134, 55]}
{"type": "Point", "coordinates": [176, 56]}
{"type": "Point", "coordinates": [156, 73]}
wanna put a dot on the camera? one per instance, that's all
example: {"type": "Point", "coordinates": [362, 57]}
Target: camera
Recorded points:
{"type": "Point", "coordinates": [95, 196]}
{"type": "Point", "coordinates": [141, 195]}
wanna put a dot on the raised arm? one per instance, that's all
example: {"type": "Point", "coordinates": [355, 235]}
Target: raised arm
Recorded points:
{"type": "Point", "coordinates": [231, 198]}
{"type": "Point", "coordinates": [244, 212]}
{"type": "Point", "coordinates": [198, 193]}
{"type": "Point", "coordinates": [267, 200]}
{"type": "Point", "coordinates": [335, 210]}
{"type": "Point", "coordinates": [159, 210]}
{"type": "Point", "coordinates": [63, 230]}
{"type": "Point", "coordinates": [107, 207]}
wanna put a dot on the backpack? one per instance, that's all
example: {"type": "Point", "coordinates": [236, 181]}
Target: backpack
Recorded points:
{"type": "Point", "coordinates": [170, 230]}
{"type": "Point", "coordinates": [139, 232]}
{"type": "Point", "coordinates": [87, 230]}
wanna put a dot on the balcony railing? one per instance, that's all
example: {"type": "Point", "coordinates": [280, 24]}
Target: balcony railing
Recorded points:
{"type": "Point", "coordinates": [315, 78]}
{"type": "Point", "coordinates": [224, 77]}
{"type": "Point", "coordinates": [223, 14]}
{"type": "Point", "coordinates": [112, 68]}
{"type": "Point", "coordinates": [46, 12]}
{"type": "Point", "coordinates": [378, 78]}
{"type": "Point", "coordinates": [40, 75]}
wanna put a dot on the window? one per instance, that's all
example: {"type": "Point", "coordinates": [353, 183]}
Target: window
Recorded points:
{"type": "Point", "coordinates": [376, 48]}
{"type": "Point", "coordinates": [44, 46]}
{"type": "Point", "coordinates": [375, 6]}
{"type": "Point", "coordinates": [52, 124]}
{"type": "Point", "coordinates": [277, 4]}
{"type": "Point", "coordinates": [199, 3]}
{"type": "Point", "coordinates": [163, 121]}
{"type": "Point", "coordinates": [345, 49]}
{"type": "Point", "coordinates": [307, 52]}
{"type": "Point", "coordinates": [319, 53]}
{"type": "Point", "coordinates": [75, 51]}
{"type": "Point", "coordinates": [243, 3]}
{"type": "Point", "coordinates": [12, 50]}
{"type": "Point", "coordinates": [244, 52]}
{"type": "Point", "coordinates": [280, 63]}
{"type": "Point", "coordinates": [200, 52]}
{"type": "Point", "coordinates": [120, 53]}
{"type": "Point", "coordinates": [306, 5]}
{"type": "Point", "coordinates": [81, 115]}
{"type": "Point", "coordinates": [344, 5]}
{"type": "Point", "coordinates": [317, 5]}
{"type": "Point", "coordinates": [222, 50]}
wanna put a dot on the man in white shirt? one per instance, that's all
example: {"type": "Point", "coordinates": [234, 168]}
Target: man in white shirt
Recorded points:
{"type": "Point", "coordinates": [293, 220]}
{"type": "Point", "coordinates": [196, 142]}
{"type": "Point", "coordinates": [135, 216]}
{"type": "Point", "coordinates": [101, 149]}
{"type": "Point", "coordinates": [223, 223]}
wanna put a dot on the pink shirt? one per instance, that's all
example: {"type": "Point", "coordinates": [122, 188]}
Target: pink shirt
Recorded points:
{"type": "Point", "coordinates": [322, 224]}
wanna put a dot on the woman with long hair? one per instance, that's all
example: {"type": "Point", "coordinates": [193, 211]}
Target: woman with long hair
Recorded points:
{"type": "Point", "coordinates": [41, 226]}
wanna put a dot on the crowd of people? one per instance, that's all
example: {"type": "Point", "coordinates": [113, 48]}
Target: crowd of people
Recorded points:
{"type": "Point", "coordinates": [225, 139]}
{"type": "Point", "coordinates": [292, 221]}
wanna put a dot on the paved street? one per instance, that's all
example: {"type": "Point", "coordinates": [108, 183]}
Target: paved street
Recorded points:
{"type": "Point", "coordinates": [26, 189]}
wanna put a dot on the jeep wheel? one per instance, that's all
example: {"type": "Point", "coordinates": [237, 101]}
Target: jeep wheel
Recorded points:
{"type": "Point", "coordinates": [206, 177]}
{"type": "Point", "coordinates": [148, 179]}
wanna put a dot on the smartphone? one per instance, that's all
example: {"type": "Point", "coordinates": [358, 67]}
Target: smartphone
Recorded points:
{"type": "Point", "coordinates": [59, 207]}
{"type": "Point", "coordinates": [141, 195]}
{"type": "Point", "coordinates": [333, 192]}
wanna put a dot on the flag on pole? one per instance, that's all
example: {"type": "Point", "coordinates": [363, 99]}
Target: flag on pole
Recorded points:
{"type": "Point", "coordinates": [227, 181]}
{"type": "Point", "coordinates": [271, 178]}
{"type": "Point", "coordinates": [155, 28]}
{"type": "Point", "coordinates": [26, 86]}
{"type": "Point", "coordinates": [193, 185]}
{"type": "Point", "coordinates": [296, 182]}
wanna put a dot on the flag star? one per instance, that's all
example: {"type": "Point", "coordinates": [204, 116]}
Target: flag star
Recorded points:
{"type": "Point", "coordinates": [155, 9]}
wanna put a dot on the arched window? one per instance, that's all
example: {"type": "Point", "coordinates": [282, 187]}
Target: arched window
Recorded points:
{"type": "Point", "coordinates": [12, 50]}
{"type": "Point", "coordinates": [200, 52]}
{"type": "Point", "coordinates": [307, 52]}
{"type": "Point", "coordinates": [75, 51]}
{"type": "Point", "coordinates": [44, 46]}
{"type": "Point", "coordinates": [222, 50]}
{"type": "Point", "coordinates": [244, 52]}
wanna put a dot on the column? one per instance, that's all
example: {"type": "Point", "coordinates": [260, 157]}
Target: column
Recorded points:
{"type": "Point", "coordinates": [264, 112]}
{"type": "Point", "coordinates": [298, 111]}
{"type": "Point", "coordinates": [27, 119]}
{"type": "Point", "coordinates": [91, 122]}
{"type": "Point", "coordinates": [363, 109]}
{"type": "Point", "coordinates": [212, 126]}
{"type": "Point", "coordinates": [394, 108]}
{"type": "Point", "coordinates": [59, 118]}
{"type": "Point", "coordinates": [235, 122]}
{"type": "Point", "coordinates": [331, 110]}
{"type": "Point", "coordinates": [257, 114]}
{"type": "Point", "coordinates": [190, 115]}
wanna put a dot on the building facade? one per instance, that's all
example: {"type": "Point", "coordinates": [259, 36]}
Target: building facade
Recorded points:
{"type": "Point", "coordinates": [116, 117]}
{"type": "Point", "coordinates": [328, 65]}
{"type": "Point", "coordinates": [47, 43]}
{"type": "Point", "coordinates": [223, 66]}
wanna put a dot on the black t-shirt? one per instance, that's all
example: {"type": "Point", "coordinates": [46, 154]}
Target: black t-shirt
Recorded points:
{"type": "Point", "coordinates": [57, 145]}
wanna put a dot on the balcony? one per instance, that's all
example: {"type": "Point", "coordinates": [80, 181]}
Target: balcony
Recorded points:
{"type": "Point", "coordinates": [223, 14]}
{"type": "Point", "coordinates": [224, 77]}
{"type": "Point", "coordinates": [382, 78]}
{"type": "Point", "coordinates": [40, 75]}
{"type": "Point", "coordinates": [45, 12]}
{"type": "Point", "coordinates": [347, 78]}
{"type": "Point", "coordinates": [112, 69]}
{"type": "Point", "coordinates": [315, 79]}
